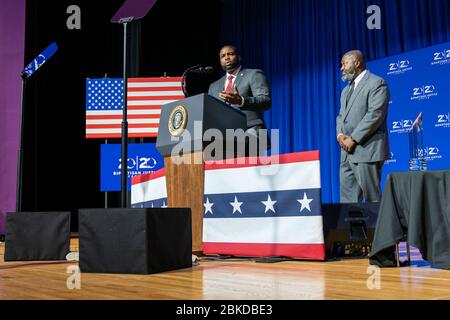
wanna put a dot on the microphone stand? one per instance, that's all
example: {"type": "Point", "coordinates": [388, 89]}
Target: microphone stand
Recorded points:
{"type": "Point", "coordinates": [29, 70]}
{"type": "Point", "coordinates": [20, 151]}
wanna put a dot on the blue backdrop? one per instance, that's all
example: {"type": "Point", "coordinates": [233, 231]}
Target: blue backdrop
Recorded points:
{"type": "Point", "coordinates": [419, 82]}
{"type": "Point", "coordinates": [299, 43]}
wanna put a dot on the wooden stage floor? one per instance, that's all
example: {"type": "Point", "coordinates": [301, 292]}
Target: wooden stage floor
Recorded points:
{"type": "Point", "coordinates": [234, 279]}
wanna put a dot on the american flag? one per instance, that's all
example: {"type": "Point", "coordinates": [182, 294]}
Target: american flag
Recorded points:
{"type": "Point", "coordinates": [261, 215]}
{"type": "Point", "coordinates": [145, 96]}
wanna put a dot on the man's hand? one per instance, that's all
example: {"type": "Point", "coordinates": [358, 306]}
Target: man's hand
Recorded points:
{"type": "Point", "coordinates": [341, 139]}
{"type": "Point", "coordinates": [231, 98]}
{"type": "Point", "coordinates": [349, 145]}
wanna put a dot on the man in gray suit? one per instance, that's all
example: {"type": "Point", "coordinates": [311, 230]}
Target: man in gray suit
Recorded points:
{"type": "Point", "coordinates": [245, 89]}
{"type": "Point", "coordinates": [362, 131]}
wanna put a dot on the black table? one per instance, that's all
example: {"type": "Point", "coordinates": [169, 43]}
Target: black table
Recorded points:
{"type": "Point", "coordinates": [416, 207]}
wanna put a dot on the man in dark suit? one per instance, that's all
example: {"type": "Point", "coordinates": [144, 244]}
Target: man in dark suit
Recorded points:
{"type": "Point", "coordinates": [245, 89]}
{"type": "Point", "coordinates": [362, 131]}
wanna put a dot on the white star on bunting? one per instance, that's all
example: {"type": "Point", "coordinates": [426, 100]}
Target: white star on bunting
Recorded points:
{"type": "Point", "coordinates": [305, 202]}
{"type": "Point", "coordinates": [236, 205]}
{"type": "Point", "coordinates": [269, 204]}
{"type": "Point", "coordinates": [208, 206]}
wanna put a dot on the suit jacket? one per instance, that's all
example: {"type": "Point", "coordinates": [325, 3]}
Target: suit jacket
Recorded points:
{"type": "Point", "coordinates": [364, 118]}
{"type": "Point", "coordinates": [252, 86]}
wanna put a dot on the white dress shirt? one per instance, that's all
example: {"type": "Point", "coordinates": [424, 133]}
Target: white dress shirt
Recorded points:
{"type": "Point", "coordinates": [359, 78]}
{"type": "Point", "coordinates": [234, 74]}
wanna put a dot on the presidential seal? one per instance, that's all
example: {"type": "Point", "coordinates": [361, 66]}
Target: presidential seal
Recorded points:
{"type": "Point", "coordinates": [177, 121]}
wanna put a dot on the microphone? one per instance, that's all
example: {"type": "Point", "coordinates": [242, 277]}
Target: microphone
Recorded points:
{"type": "Point", "coordinates": [39, 60]}
{"type": "Point", "coordinates": [194, 69]}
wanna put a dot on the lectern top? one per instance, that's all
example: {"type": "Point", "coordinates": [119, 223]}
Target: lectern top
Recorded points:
{"type": "Point", "coordinates": [133, 10]}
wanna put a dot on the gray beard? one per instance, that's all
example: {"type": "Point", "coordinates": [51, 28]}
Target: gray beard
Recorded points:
{"type": "Point", "coordinates": [349, 76]}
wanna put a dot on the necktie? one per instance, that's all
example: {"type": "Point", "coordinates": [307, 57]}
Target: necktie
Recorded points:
{"type": "Point", "coordinates": [229, 84]}
{"type": "Point", "coordinates": [350, 92]}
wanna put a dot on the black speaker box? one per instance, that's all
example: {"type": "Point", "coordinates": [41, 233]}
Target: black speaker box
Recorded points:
{"type": "Point", "coordinates": [349, 228]}
{"type": "Point", "coordinates": [135, 241]}
{"type": "Point", "coordinates": [37, 236]}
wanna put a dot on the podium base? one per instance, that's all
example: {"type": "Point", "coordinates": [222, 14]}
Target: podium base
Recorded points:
{"type": "Point", "coordinates": [187, 171]}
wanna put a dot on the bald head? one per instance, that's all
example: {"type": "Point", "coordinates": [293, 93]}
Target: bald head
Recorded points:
{"type": "Point", "coordinates": [353, 63]}
{"type": "Point", "coordinates": [357, 56]}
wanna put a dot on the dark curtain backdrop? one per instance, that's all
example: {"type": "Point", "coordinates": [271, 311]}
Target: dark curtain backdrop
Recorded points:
{"type": "Point", "coordinates": [299, 43]}
{"type": "Point", "coordinates": [61, 167]}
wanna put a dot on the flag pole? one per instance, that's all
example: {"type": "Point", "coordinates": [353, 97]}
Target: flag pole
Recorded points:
{"type": "Point", "coordinates": [106, 142]}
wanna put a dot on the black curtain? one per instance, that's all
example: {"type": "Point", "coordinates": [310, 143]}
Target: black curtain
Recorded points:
{"type": "Point", "coordinates": [61, 167]}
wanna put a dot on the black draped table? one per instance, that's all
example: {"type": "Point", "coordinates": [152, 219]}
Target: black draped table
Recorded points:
{"type": "Point", "coordinates": [415, 207]}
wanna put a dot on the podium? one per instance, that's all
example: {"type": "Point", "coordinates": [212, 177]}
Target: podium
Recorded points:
{"type": "Point", "coordinates": [181, 142]}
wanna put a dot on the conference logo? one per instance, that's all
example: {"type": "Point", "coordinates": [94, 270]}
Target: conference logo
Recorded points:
{"type": "Point", "coordinates": [424, 92]}
{"type": "Point", "coordinates": [399, 67]}
{"type": "Point", "coordinates": [441, 57]}
{"type": "Point", "coordinates": [429, 153]}
{"type": "Point", "coordinates": [137, 165]}
{"type": "Point", "coordinates": [443, 121]}
{"type": "Point", "coordinates": [401, 126]}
